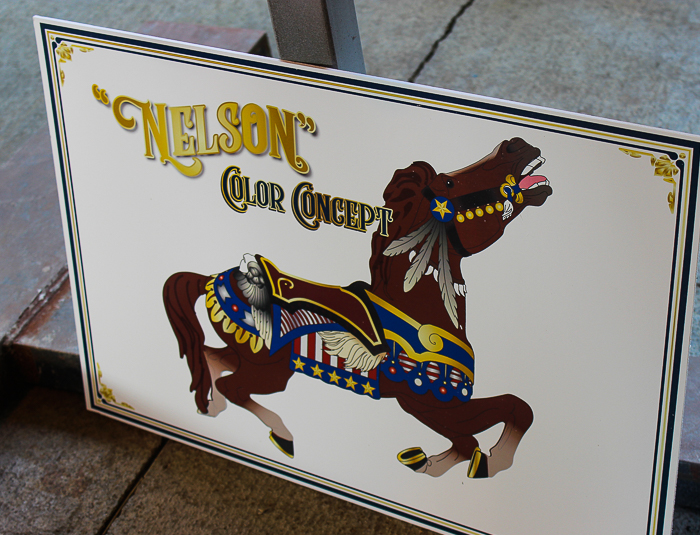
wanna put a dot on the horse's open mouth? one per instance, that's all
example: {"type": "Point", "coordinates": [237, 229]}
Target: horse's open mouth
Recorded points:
{"type": "Point", "coordinates": [535, 188]}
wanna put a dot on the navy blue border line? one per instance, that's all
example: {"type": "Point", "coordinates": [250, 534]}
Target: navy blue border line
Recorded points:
{"type": "Point", "coordinates": [664, 489]}
{"type": "Point", "coordinates": [75, 248]}
{"type": "Point", "coordinates": [336, 77]}
{"type": "Point", "coordinates": [423, 95]}
{"type": "Point", "coordinates": [677, 350]}
{"type": "Point", "coordinates": [462, 101]}
{"type": "Point", "coordinates": [329, 489]}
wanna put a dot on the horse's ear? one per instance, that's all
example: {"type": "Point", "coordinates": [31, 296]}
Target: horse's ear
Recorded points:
{"type": "Point", "coordinates": [409, 182]}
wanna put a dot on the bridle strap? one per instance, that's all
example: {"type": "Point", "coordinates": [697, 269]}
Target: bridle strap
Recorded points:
{"type": "Point", "coordinates": [464, 202]}
{"type": "Point", "coordinates": [454, 239]}
{"type": "Point", "coordinates": [469, 200]}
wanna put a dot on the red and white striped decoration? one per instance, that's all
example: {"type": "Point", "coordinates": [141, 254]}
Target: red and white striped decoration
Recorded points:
{"type": "Point", "coordinates": [300, 318]}
{"type": "Point", "coordinates": [432, 371]}
{"type": "Point", "coordinates": [455, 377]}
{"type": "Point", "coordinates": [406, 363]}
{"type": "Point", "coordinates": [311, 347]}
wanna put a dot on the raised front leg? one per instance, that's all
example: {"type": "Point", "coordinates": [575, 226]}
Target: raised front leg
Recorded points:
{"type": "Point", "coordinates": [459, 423]}
{"type": "Point", "coordinates": [518, 418]}
{"type": "Point", "coordinates": [435, 465]}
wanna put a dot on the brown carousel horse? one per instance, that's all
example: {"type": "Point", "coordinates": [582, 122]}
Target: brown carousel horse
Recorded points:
{"type": "Point", "coordinates": [402, 336]}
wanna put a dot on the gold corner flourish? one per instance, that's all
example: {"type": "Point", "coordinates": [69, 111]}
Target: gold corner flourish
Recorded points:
{"type": "Point", "coordinates": [65, 52]}
{"type": "Point", "coordinates": [664, 167]}
{"type": "Point", "coordinates": [107, 393]}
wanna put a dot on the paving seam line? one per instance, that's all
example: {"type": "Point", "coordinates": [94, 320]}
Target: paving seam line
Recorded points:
{"type": "Point", "coordinates": [436, 44]}
{"type": "Point", "coordinates": [131, 489]}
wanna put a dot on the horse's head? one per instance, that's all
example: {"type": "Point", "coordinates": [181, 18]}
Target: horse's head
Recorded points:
{"type": "Point", "coordinates": [473, 204]}
{"type": "Point", "coordinates": [440, 218]}
{"type": "Point", "coordinates": [479, 201]}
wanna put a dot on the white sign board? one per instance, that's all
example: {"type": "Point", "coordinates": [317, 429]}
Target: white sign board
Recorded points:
{"type": "Point", "coordinates": [469, 314]}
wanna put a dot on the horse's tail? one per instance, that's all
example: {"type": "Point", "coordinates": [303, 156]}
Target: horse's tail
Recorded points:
{"type": "Point", "coordinates": [180, 293]}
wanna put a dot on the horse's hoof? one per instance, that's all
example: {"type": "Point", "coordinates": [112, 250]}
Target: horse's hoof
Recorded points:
{"type": "Point", "coordinates": [414, 458]}
{"type": "Point", "coordinates": [285, 446]}
{"type": "Point", "coordinates": [478, 466]}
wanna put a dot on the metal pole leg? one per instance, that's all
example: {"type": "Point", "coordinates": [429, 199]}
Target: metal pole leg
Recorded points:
{"type": "Point", "coordinates": [318, 32]}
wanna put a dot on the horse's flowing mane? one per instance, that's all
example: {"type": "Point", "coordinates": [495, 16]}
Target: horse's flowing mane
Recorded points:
{"type": "Point", "coordinates": [403, 195]}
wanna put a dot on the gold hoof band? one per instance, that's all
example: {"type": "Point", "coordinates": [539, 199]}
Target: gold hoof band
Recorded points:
{"type": "Point", "coordinates": [414, 458]}
{"type": "Point", "coordinates": [285, 446]}
{"type": "Point", "coordinates": [478, 466]}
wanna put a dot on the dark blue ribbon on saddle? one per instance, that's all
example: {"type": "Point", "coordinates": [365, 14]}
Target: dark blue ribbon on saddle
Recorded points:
{"type": "Point", "coordinates": [238, 311]}
{"type": "Point", "coordinates": [425, 346]}
{"type": "Point", "coordinates": [232, 305]}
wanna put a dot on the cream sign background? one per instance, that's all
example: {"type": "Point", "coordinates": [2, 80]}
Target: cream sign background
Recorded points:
{"type": "Point", "coordinates": [581, 309]}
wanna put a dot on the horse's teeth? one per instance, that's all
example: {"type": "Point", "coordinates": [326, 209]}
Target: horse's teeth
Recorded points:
{"type": "Point", "coordinates": [534, 164]}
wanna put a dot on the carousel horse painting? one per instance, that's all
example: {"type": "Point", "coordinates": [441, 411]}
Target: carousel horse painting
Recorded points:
{"type": "Point", "coordinates": [402, 335]}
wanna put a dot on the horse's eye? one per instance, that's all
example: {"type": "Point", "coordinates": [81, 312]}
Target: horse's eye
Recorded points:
{"type": "Point", "coordinates": [450, 183]}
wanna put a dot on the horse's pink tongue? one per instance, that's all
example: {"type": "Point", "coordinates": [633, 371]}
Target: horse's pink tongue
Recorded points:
{"type": "Point", "coordinates": [529, 181]}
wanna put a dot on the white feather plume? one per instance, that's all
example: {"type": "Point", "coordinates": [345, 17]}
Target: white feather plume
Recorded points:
{"type": "Point", "coordinates": [347, 346]}
{"type": "Point", "coordinates": [420, 263]}
{"type": "Point", "coordinates": [447, 288]}
{"type": "Point", "coordinates": [263, 323]}
{"type": "Point", "coordinates": [410, 241]}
